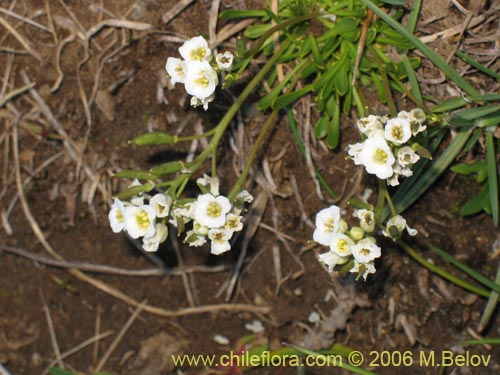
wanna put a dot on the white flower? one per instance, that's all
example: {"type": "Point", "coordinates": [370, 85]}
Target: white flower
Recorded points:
{"type": "Point", "coordinates": [201, 79]}
{"type": "Point", "coordinates": [194, 239]}
{"type": "Point", "coordinates": [354, 151]}
{"type": "Point", "coordinates": [341, 245]}
{"type": "Point", "coordinates": [366, 219]}
{"type": "Point", "coordinates": [377, 157]}
{"type": "Point", "coordinates": [233, 223]}
{"type": "Point", "coordinates": [244, 196]}
{"type": "Point", "coordinates": [176, 69]}
{"type": "Point", "coordinates": [395, 227]}
{"type": "Point", "coordinates": [366, 250]}
{"type": "Point", "coordinates": [197, 102]}
{"type": "Point", "coordinates": [213, 182]}
{"type": "Point", "coordinates": [196, 49]}
{"type": "Point", "coordinates": [161, 203]}
{"type": "Point", "coordinates": [393, 180]}
{"type": "Point", "coordinates": [184, 213]}
{"type": "Point", "coordinates": [200, 230]}
{"type": "Point", "coordinates": [152, 243]}
{"type": "Point", "coordinates": [211, 211]}
{"type": "Point", "coordinates": [140, 221]}
{"type": "Point", "coordinates": [225, 61]}
{"type": "Point", "coordinates": [367, 124]}
{"type": "Point", "coordinates": [220, 240]}
{"type": "Point", "coordinates": [406, 156]}
{"type": "Point", "coordinates": [116, 216]}
{"type": "Point", "coordinates": [331, 259]}
{"type": "Point", "coordinates": [327, 225]}
{"type": "Point", "coordinates": [397, 130]}
{"type": "Point", "coordinates": [363, 269]}
{"type": "Point", "coordinates": [417, 118]}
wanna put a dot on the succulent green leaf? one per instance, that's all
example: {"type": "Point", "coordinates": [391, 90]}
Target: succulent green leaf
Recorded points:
{"type": "Point", "coordinates": [154, 138]}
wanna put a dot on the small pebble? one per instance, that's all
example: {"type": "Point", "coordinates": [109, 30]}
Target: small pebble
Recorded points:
{"type": "Point", "coordinates": [255, 327]}
{"type": "Point", "coordinates": [221, 340]}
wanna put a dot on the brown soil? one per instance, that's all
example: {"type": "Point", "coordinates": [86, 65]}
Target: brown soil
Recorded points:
{"type": "Point", "coordinates": [437, 315]}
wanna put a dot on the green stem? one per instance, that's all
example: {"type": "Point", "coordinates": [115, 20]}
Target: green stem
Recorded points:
{"type": "Point", "coordinates": [231, 112]}
{"type": "Point", "coordinates": [379, 208]}
{"type": "Point", "coordinates": [196, 136]}
{"type": "Point", "coordinates": [389, 201]}
{"type": "Point", "coordinates": [214, 162]}
{"type": "Point", "coordinates": [253, 153]}
{"type": "Point", "coordinates": [439, 271]}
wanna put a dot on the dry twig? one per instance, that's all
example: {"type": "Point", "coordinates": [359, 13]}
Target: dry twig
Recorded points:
{"type": "Point", "coordinates": [175, 10]}
{"type": "Point", "coordinates": [20, 39]}
{"type": "Point", "coordinates": [119, 337]}
{"type": "Point", "coordinates": [53, 337]}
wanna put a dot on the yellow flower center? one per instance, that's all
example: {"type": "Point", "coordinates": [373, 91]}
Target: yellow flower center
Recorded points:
{"type": "Point", "coordinates": [397, 132]}
{"type": "Point", "coordinates": [119, 216]}
{"type": "Point", "coordinates": [380, 156]}
{"type": "Point", "coordinates": [179, 70]}
{"type": "Point", "coordinates": [365, 252]}
{"type": "Point", "coordinates": [232, 223]}
{"type": "Point", "coordinates": [202, 81]}
{"type": "Point", "coordinates": [142, 219]}
{"type": "Point", "coordinates": [198, 53]}
{"type": "Point", "coordinates": [329, 225]}
{"type": "Point", "coordinates": [343, 246]}
{"type": "Point", "coordinates": [219, 237]}
{"type": "Point", "coordinates": [214, 209]}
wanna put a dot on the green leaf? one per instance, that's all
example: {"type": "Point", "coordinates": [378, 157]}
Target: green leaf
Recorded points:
{"type": "Point", "coordinates": [426, 50]}
{"type": "Point", "coordinates": [469, 271]}
{"type": "Point", "coordinates": [481, 202]}
{"type": "Point", "coordinates": [168, 168]}
{"type": "Point", "coordinates": [477, 65]}
{"type": "Point", "coordinates": [477, 113]}
{"type": "Point", "coordinates": [132, 191]}
{"type": "Point", "coordinates": [342, 80]}
{"type": "Point", "coordinates": [232, 14]}
{"type": "Point", "coordinates": [154, 138]}
{"type": "Point", "coordinates": [478, 167]}
{"type": "Point", "coordinates": [491, 161]}
{"type": "Point", "coordinates": [449, 105]}
{"type": "Point", "coordinates": [332, 140]}
{"type": "Point", "coordinates": [394, 2]}
{"type": "Point", "coordinates": [139, 174]}
{"type": "Point", "coordinates": [321, 127]}
{"type": "Point", "coordinates": [416, 185]}
{"type": "Point", "coordinates": [255, 31]}
{"type": "Point", "coordinates": [291, 97]}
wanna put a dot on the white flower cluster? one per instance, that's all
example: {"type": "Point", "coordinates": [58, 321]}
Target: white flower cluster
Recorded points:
{"type": "Point", "coordinates": [356, 244]}
{"type": "Point", "coordinates": [196, 72]}
{"type": "Point", "coordinates": [385, 152]}
{"type": "Point", "coordinates": [212, 215]}
{"type": "Point", "coordinates": [142, 220]}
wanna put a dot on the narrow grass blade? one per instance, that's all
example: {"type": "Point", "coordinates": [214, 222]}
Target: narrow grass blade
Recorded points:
{"type": "Point", "coordinates": [490, 341]}
{"type": "Point", "coordinates": [427, 51]}
{"type": "Point", "coordinates": [417, 186]}
{"type": "Point", "coordinates": [491, 162]}
{"type": "Point", "coordinates": [441, 272]}
{"type": "Point", "coordinates": [469, 271]}
{"type": "Point", "coordinates": [477, 65]}
{"type": "Point", "coordinates": [490, 306]}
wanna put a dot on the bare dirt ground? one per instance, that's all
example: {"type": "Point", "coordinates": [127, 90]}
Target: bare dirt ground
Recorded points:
{"type": "Point", "coordinates": [92, 89]}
